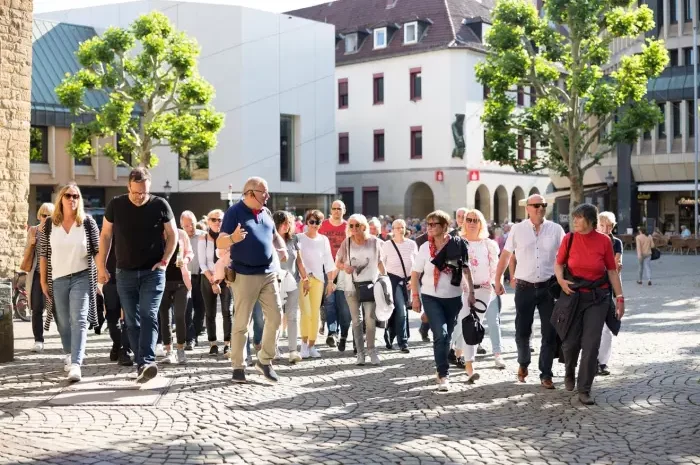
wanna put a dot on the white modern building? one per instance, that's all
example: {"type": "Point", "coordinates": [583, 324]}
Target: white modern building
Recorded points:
{"type": "Point", "coordinates": [407, 100]}
{"type": "Point", "coordinates": [274, 81]}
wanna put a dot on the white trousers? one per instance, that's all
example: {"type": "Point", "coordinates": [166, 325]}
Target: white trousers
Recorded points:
{"type": "Point", "coordinates": [605, 346]}
{"type": "Point", "coordinates": [485, 295]}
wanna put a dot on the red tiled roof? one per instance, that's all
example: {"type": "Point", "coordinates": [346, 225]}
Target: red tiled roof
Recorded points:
{"type": "Point", "coordinates": [443, 18]}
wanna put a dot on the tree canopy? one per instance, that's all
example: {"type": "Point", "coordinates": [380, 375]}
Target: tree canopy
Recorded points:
{"type": "Point", "coordinates": [562, 60]}
{"type": "Point", "coordinates": [153, 94]}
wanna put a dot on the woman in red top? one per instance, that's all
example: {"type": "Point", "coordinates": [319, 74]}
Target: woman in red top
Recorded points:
{"type": "Point", "coordinates": [591, 269]}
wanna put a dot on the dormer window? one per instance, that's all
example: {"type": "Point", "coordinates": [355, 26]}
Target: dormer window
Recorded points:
{"type": "Point", "coordinates": [380, 38]}
{"type": "Point", "coordinates": [410, 33]}
{"type": "Point", "coordinates": [351, 43]}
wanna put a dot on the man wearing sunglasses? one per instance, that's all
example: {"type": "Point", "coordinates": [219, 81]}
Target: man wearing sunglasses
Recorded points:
{"type": "Point", "coordinates": [535, 242]}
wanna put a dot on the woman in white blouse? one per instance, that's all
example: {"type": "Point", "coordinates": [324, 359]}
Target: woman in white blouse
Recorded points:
{"type": "Point", "coordinates": [68, 274]}
{"type": "Point", "coordinates": [317, 257]}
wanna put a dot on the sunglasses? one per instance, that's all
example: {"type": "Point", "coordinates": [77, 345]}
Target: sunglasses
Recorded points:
{"type": "Point", "coordinates": [434, 225]}
{"type": "Point", "coordinates": [336, 209]}
{"type": "Point", "coordinates": [43, 216]}
{"type": "Point", "coordinates": [216, 220]}
{"type": "Point", "coordinates": [313, 222]}
{"type": "Point", "coordinates": [354, 225]}
{"type": "Point", "coordinates": [471, 220]}
{"type": "Point", "coordinates": [72, 196]}
{"type": "Point", "coordinates": [537, 205]}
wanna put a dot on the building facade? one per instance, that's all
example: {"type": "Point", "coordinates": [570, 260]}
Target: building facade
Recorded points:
{"type": "Point", "coordinates": [274, 81]}
{"type": "Point", "coordinates": [408, 109]}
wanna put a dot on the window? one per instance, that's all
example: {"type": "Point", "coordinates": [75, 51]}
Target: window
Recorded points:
{"type": "Point", "coordinates": [417, 142]}
{"type": "Point", "coordinates": [343, 148]}
{"type": "Point", "coordinates": [38, 144]}
{"type": "Point", "coordinates": [673, 12]}
{"type": "Point", "coordinates": [351, 43]}
{"type": "Point", "coordinates": [687, 8]}
{"type": "Point", "coordinates": [287, 167]}
{"type": "Point", "coordinates": [380, 38]}
{"type": "Point", "coordinates": [343, 98]}
{"type": "Point", "coordinates": [410, 33]}
{"type": "Point", "coordinates": [676, 109]}
{"type": "Point", "coordinates": [673, 57]}
{"type": "Point", "coordinates": [85, 161]}
{"type": "Point", "coordinates": [416, 84]}
{"type": "Point", "coordinates": [378, 89]}
{"type": "Point", "coordinates": [379, 145]}
{"type": "Point", "coordinates": [688, 56]}
{"type": "Point", "coordinates": [533, 95]}
{"type": "Point", "coordinates": [347, 195]}
{"type": "Point", "coordinates": [533, 148]}
{"type": "Point", "coordinates": [691, 118]}
{"type": "Point", "coordinates": [370, 201]}
{"type": "Point", "coordinates": [521, 148]}
{"type": "Point", "coordinates": [194, 167]}
{"type": "Point", "coordinates": [521, 96]}
{"type": "Point", "coordinates": [662, 124]}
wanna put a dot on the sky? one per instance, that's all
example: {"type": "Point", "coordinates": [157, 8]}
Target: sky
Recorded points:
{"type": "Point", "coordinates": [276, 6]}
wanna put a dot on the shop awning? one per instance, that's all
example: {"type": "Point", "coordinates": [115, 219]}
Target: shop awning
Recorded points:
{"type": "Point", "coordinates": [666, 187]}
{"type": "Point", "coordinates": [552, 196]}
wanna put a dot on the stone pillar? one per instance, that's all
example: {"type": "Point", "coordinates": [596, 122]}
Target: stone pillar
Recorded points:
{"type": "Point", "coordinates": [625, 188]}
{"type": "Point", "coordinates": [15, 110]}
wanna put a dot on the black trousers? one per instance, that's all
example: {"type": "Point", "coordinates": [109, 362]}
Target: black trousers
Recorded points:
{"type": "Point", "coordinates": [175, 295]}
{"type": "Point", "coordinates": [115, 324]}
{"type": "Point", "coordinates": [195, 309]}
{"type": "Point", "coordinates": [584, 336]}
{"type": "Point", "coordinates": [527, 299]}
{"type": "Point", "coordinates": [210, 306]}
{"type": "Point", "coordinates": [38, 304]}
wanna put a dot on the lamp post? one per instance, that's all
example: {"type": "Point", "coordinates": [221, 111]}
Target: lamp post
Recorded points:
{"type": "Point", "coordinates": [610, 181]}
{"type": "Point", "coordinates": [230, 195]}
{"type": "Point", "coordinates": [167, 189]}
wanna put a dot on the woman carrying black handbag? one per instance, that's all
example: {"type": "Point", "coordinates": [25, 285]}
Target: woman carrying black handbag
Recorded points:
{"type": "Point", "coordinates": [360, 256]}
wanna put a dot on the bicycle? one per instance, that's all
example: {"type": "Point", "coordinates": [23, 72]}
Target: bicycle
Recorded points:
{"type": "Point", "coordinates": [20, 303]}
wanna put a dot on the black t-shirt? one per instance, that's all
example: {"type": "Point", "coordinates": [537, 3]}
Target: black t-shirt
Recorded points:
{"type": "Point", "coordinates": [172, 272]}
{"type": "Point", "coordinates": [138, 231]}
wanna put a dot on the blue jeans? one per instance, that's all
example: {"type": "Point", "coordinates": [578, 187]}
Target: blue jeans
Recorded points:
{"type": "Point", "coordinates": [397, 326]}
{"type": "Point", "coordinates": [140, 292]}
{"type": "Point", "coordinates": [337, 313]}
{"type": "Point", "coordinates": [527, 298]}
{"type": "Point", "coordinates": [493, 321]}
{"type": "Point", "coordinates": [71, 295]}
{"type": "Point", "coordinates": [442, 317]}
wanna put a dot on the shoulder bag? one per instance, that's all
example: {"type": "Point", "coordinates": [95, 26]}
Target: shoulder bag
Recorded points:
{"type": "Point", "coordinates": [363, 289]}
{"type": "Point", "coordinates": [28, 261]}
{"type": "Point", "coordinates": [406, 293]}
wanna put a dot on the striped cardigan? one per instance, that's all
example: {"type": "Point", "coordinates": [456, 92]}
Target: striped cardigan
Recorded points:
{"type": "Point", "coordinates": [93, 245]}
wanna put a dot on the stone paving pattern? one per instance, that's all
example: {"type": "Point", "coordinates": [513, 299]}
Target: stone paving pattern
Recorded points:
{"type": "Point", "coordinates": [330, 411]}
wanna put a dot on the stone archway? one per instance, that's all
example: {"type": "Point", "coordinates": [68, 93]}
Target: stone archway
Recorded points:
{"type": "Point", "coordinates": [517, 211]}
{"type": "Point", "coordinates": [419, 200]}
{"type": "Point", "coordinates": [533, 191]}
{"type": "Point", "coordinates": [482, 201]}
{"type": "Point", "coordinates": [500, 205]}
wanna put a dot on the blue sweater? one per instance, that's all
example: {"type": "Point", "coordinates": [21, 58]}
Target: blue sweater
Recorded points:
{"type": "Point", "coordinates": [253, 255]}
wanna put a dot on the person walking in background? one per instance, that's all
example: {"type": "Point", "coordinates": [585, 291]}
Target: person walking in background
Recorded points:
{"type": "Point", "coordinates": [195, 303]}
{"type": "Point", "coordinates": [336, 307]}
{"type": "Point", "coordinates": [606, 224]}
{"type": "Point", "coordinates": [644, 244]}
{"type": "Point", "coordinates": [212, 288]}
{"type": "Point", "coordinates": [400, 254]}
{"type": "Point", "coordinates": [69, 243]}
{"type": "Point", "coordinates": [317, 258]}
{"type": "Point", "coordinates": [535, 243]}
{"type": "Point", "coordinates": [30, 264]}
{"type": "Point", "coordinates": [113, 310]}
{"type": "Point", "coordinates": [138, 221]}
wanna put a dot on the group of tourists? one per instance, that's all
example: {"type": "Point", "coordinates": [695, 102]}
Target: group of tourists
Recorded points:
{"type": "Point", "coordinates": [142, 272]}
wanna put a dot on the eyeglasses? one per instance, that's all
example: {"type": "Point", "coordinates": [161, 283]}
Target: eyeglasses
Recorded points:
{"type": "Point", "coordinates": [434, 225]}
{"type": "Point", "coordinates": [537, 205]}
{"type": "Point", "coordinates": [471, 220]}
{"type": "Point", "coordinates": [313, 223]}
{"type": "Point", "coordinates": [354, 225]}
{"type": "Point", "coordinates": [264, 193]}
{"type": "Point", "coordinates": [43, 216]}
{"type": "Point", "coordinates": [72, 196]}
{"type": "Point", "coordinates": [336, 209]}
{"type": "Point", "coordinates": [399, 227]}
{"type": "Point", "coordinates": [216, 220]}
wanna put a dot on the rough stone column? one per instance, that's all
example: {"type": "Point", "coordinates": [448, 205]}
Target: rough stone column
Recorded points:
{"type": "Point", "coordinates": [15, 110]}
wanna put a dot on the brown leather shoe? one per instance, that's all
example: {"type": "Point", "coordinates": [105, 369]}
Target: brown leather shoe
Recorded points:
{"type": "Point", "coordinates": [585, 398]}
{"type": "Point", "coordinates": [522, 374]}
{"type": "Point", "coordinates": [569, 383]}
{"type": "Point", "coordinates": [547, 384]}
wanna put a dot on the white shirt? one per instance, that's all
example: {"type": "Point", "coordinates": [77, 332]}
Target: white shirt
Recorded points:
{"type": "Point", "coordinates": [69, 252]}
{"type": "Point", "coordinates": [423, 264]}
{"type": "Point", "coordinates": [408, 250]}
{"type": "Point", "coordinates": [535, 253]}
{"type": "Point", "coordinates": [316, 255]}
{"type": "Point", "coordinates": [206, 248]}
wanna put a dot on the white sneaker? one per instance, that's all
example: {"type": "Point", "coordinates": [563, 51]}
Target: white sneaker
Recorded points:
{"type": "Point", "coordinates": [67, 363]}
{"type": "Point", "coordinates": [314, 353]}
{"type": "Point", "coordinates": [38, 347]}
{"type": "Point", "coordinates": [74, 373]}
{"type": "Point", "coordinates": [374, 357]}
{"type": "Point", "coordinates": [294, 357]}
{"type": "Point", "coordinates": [160, 352]}
{"type": "Point", "coordinates": [181, 358]}
{"type": "Point", "coordinates": [170, 357]}
{"type": "Point", "coordinates": [360, 359]}
{"type": "Point", "coordinates": [498, 361]}
{"type": "Point", "coordinates": [305, 350]}
{"type": "Point", "coordinates": [444, 385]}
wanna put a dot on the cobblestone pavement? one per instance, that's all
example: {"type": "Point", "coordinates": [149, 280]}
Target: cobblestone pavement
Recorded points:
{"type": "Point", "coordinates": [330, 411]}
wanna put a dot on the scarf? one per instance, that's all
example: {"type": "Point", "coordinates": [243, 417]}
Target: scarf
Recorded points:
{"type": "Point", "coordinates": [433, 253]}
{"type": "Point", "coordinates": [214, 235]}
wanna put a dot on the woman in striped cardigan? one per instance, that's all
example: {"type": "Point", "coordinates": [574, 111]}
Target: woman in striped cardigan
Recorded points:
{"type": "Point", "coordinates": [67, 249]}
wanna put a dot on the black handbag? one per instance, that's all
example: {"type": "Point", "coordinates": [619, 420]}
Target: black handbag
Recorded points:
{"type": "Point", "coordinates": [406, 294]}
{"type": "Point", "coordinates": [472, 329]}
{"type": "Point", "coordinates": [364, 289]}
{"type": "Point", "coordinates": [554, 287]}
{"type": "Point", "coordinates": [655, 253]}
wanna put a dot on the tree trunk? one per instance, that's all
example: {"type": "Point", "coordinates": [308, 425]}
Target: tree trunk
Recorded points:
{"type": "Point", "coordinates": [15, 110]}
{"type": "Point", "coordinates": [576, 192]}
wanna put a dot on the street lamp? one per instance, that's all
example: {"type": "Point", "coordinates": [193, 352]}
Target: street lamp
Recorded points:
{"type": "Point", "coordinates": [610, 180]}
{"type": "Point", "coordinates": [167, 189]}
{"type": "Point", "coordinates": [230, 195]}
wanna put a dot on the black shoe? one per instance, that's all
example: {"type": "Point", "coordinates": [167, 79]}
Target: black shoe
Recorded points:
{"type": "Point", "coordinates": [114, 354]}
{"type": "Point", "coordinates": [214, 350]}
{"type": "Point", "coordinates": [189, 346]}
{"type": "Point", "coordinates": [532, 350]}
{"type": "Point", "coordinates": [147, 373]}
{"type": "Point", "coordinates": [267, 371]}
{"type": "Point", "coordinates": [227, 349]}
{"type": "Point", "coordinates": [405, 350]}
{"type": "Point", "coordinates": [330, 340]}
{"type": "Point", "coordinates": [585, 398]}
{"type": "Point", "coordinates": [354, 348]}
{"type": "Point", "coordinates": [603, 370]}
{"type": "Point", "coordinates": [461, 363]}
{"type": "Point", "coordinates": [98, 329]}
{"type": "Point", "coordinates": [239, 376]}
{"type": "Point", "coordinates": [569, 383]}
{"type": "Point", "coordinates": [424, 336]}
{"type": "Point", "coordinates": [480, 350]}
{"type": "Point", "coordinates": [389, 346]}
{"type": "Point", "coordinates": [124, 359]}
{"type": "Point", "coordinates": [341, 344]}
{"type": "Point", "coordinates": [452, 357]}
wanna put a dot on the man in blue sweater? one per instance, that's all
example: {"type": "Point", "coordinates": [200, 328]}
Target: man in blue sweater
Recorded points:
{"type": "Point", "coordinates": [249, 230]}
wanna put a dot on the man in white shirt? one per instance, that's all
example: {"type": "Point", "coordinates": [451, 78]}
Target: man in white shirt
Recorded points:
{"type": "Point", "coordinates": [535, 242]}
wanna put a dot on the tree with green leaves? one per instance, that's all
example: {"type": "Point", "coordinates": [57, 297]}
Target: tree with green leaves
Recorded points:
{"type": "Point", "coordinates": [570, 44]}
{"type": "Point", "coordinates": [153, 97]}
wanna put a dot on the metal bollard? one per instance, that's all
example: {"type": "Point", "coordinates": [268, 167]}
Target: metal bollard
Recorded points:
{"type": "Point", "coordinates": [7, 338]}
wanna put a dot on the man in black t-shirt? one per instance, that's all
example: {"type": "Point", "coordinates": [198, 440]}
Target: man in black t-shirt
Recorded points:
{"type": "Point", "coordinates": [137, 222]}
